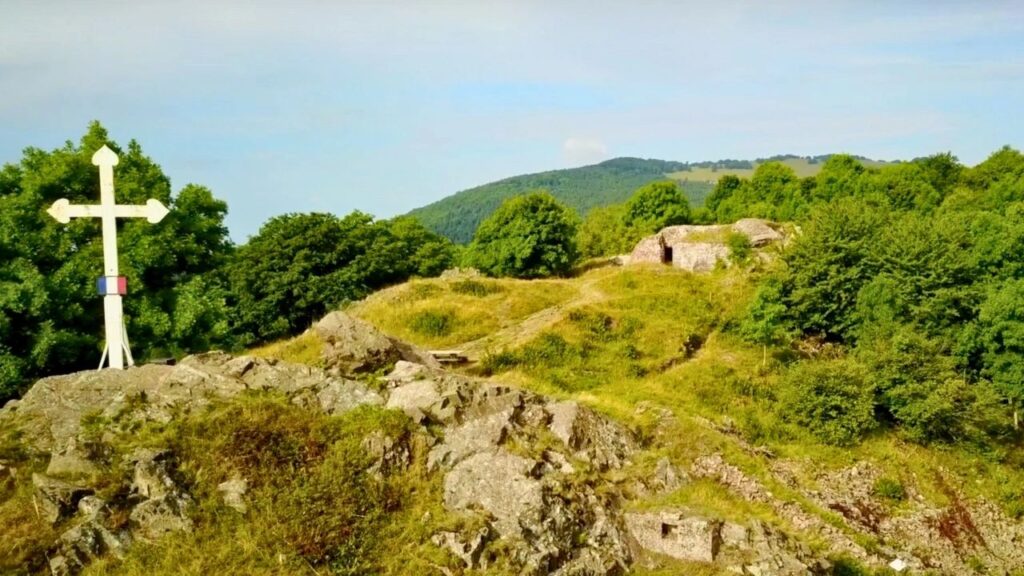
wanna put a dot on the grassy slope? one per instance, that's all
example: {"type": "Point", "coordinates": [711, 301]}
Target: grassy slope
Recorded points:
{"type": "Point", "coordinates": [622, 350]}
{"type": "Point", "coordinates": [631, 342]}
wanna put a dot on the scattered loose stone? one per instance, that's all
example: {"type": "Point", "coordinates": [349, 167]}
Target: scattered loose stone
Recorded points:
{"type": "Point", "coordinates": [233, 493]}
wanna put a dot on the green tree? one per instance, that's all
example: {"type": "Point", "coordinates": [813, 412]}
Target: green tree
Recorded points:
{"type": "Point", "coordinates": [724, 189]}
{"type": "Point", "coordinates": [777, 187]}
{"type": "Point", "coordinates": [529, 236]}
{"type": "Point", "coordinates": [827, 266]}
{"type": "Point", "coordinates": [294, 270]}
{"type": "Point", "coordinates": [840, 176]}
{"type": "Point", "coordinates": [942, 171]}
{"type": "Point", "coordinates": [604, 233]}
{"type": "Point", "coordinates": [905, 186]}
{"type": "Point", "coordinates": [765, 321]}
{"type": "Point", "coordinates": [1003, 164]}
{"type": "Point", "coordinates": [656, 205]}
{"type": "Point", "coordinates": [833, 399]}
{"type": "Point", "coordinates": [300, 266]}
{"type": "Point", "coordinates": [919, 389]}
{"type": "Point", "coordinates": [50, 315]}
{"type": "Point", "coordinates": [1000, 333]}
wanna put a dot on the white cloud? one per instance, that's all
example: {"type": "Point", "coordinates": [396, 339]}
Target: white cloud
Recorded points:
{"type": "Point", "coordinates": [579, 151]}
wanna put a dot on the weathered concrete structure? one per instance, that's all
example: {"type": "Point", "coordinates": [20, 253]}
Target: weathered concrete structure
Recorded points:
{"type": "Point", "coordinates": [699, 248]}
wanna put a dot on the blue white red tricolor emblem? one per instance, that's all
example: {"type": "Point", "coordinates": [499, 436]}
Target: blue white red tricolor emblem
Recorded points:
{"type": "Point", "coordinates": [112, 285]}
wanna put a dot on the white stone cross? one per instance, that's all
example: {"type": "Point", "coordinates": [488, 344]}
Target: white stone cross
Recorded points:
{"type": "Point", "coordinates": [116, 348]}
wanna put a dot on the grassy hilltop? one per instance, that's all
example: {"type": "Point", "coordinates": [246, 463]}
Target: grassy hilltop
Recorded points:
{"type": "Point", "coordinates": [656, 348]}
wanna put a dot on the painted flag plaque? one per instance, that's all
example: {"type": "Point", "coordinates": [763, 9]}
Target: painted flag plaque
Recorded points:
{"type": "Point", "coordinates": [112, 285]}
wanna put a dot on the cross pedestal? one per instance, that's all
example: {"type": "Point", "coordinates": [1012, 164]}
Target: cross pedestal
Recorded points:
{"type": "Point", "coordinates": [116, 349]}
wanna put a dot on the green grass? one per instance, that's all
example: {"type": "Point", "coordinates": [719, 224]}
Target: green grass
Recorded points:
{"type": "Point", "coordinates": [661, 337]}
{"type": "Point", "coordinates": [440, 313]}
{"type": "Point", "coordinates": [303, 349]}
{"type": "Point", "coordinates": [314, 506]}
{"type": "Point", "coordinates": [652, 347]}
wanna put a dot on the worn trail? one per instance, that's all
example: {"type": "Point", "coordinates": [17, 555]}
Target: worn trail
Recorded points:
{"type": "Point", "coordinates": [523, 330]}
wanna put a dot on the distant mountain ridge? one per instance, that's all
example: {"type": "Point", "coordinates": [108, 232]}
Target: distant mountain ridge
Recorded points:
{"type": "Point", "coordinates": [588, 187]}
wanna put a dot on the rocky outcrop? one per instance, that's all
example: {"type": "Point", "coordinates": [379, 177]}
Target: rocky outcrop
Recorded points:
{"type": "Point", "coordinates": [700, 248]}
{"type": "Point", "coordinates": [57, 499]}
{"type": "Point", "coordinates": [87, 540]}
{"type": "Point", "coordinates": [542, 486]}
{"type": "Point", "coordinates": [156, 501]}
{"type": "Point", "coordinates": [955, 537]}
{"type": "Point", "coordinates": [163, 503]}
{"type": "Point", "coordinates": [352, 346]}
{"type": "Point", "coordinates": [51, 412]}
{"type": "Point", "coordinates": [553, 522]}
{"type": "Point", "coordinates": [484, 438]}
{"type": "Point", "coordinates": [758, 549]}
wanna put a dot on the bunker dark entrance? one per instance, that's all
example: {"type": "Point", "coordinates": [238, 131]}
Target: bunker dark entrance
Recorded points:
{"type": "Point", "coordinates": [666, 255]}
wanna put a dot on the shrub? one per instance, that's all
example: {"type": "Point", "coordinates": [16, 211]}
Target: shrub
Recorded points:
{"type": "Point", "coordinates": [832, 399]}
{"type": "Point", "coordinates": [740, 249]}
{"type": "Point", "coordinates": [475, 288]}
{"type": "Point", "coordinates": [433, 322]}
{"type": "Point", "coordinates": [890, 489]}
{"type": "Point", "coordinates": [596, 324]}
{"type": "Point", "coordinates": [548, 349]}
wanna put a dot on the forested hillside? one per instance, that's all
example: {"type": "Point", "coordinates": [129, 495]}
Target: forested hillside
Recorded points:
{"type": "Point", "coordinates": [612, 181]}
{"type": "Point", "coordinates": [581, 189]}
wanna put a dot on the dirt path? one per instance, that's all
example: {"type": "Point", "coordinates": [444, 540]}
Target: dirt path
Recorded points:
{"type": "Point", "coordinates": [525, 329]}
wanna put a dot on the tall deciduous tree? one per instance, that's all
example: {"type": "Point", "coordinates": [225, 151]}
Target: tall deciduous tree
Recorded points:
{"type": "Point", "coordinates": [529, 236]}
{"type": "Point", "coordinates": [1001, 336]}
{"type": "Point", "coordinates": [655, 206]}
{"type": "Point", "coordinates": [604, 233]}
{"type": "Point", "coordinates": [299, 266]}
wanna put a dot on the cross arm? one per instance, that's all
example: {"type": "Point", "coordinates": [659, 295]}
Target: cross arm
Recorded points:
{"type": "Point", "coordinates": [63, 211]}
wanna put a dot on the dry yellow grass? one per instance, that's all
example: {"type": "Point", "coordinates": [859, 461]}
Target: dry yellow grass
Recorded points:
{"type": "Point", "coordinates": [474, 308]}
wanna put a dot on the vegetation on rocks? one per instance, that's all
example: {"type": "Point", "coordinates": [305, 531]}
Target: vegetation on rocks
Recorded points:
{"type": "Point", "coordinates": [851, 398]}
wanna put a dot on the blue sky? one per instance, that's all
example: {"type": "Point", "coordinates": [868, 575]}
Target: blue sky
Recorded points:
{"type": "Point", "coordinates": [383, 106]}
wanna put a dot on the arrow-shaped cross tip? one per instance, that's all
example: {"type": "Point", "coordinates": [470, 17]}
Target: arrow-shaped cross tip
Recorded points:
{"type": "Point", "coordinates": [104, 157]}
{"type": "Point", "coordinates": [155, 211]}
{"type": "Point", "coordinates": [59, 211]}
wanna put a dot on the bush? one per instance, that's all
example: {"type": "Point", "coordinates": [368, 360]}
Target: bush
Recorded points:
{"type": "Point", "coordinates": [549, 350]}
{"type": "Point", "coordinates": [433, 322]}
{"type": "Point", "coordinates": [475, 288]}
{"type": "Point", "coordinates": [889, 489]}
{"type": "Point", "coordinates": [656, 205]}
{"type": "Point", "coordinates": [831, 398]}
{"type": "Point", "coordinates": [740, 249]}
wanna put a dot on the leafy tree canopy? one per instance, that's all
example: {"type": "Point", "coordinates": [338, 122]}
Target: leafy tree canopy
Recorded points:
{"type": "Point", "coordinates": [299, 266]}
{"type": "Point", "coordinates": [50, 314]}
{"type": "Point", "coordinates": [655, 206]}
{"type": "Point", "coordinates": [529, 236]}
